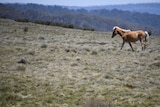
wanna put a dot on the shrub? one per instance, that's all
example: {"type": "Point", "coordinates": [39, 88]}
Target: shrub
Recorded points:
{"type": "Point", "coordinates": [43, 46]}
{"type": "Point", "coordinates": [22, 20]}
{"type": "Point", "coordinates": [25, 29]}
{"type": "Point", "coordinates": [94, 53]}
{"type": "Point", "coordinates": [3, 17]}
{"type": "Point", "coordinates": [89, 29]}
{"type": "Point", "coordinates": [21, 68]}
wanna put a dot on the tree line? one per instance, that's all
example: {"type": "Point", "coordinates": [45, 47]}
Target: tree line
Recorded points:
{"type": "Point", "coordinates": [49, 23]}
{"type": "Point", "coordinates": [99, 20]}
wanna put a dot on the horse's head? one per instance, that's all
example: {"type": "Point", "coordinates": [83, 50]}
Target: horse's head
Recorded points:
{"type": "Point", "coordinates": [147, 34]}
{"type": "Point", "coordinates": [118, 30]}
{"type": "Point", "coordinates": [115, 32]}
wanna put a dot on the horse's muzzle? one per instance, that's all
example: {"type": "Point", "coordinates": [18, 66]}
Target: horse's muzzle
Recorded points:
{"type": "Point", "coordinates": [113, 35]}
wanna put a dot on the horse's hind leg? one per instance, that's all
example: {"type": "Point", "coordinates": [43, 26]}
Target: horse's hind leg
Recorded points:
{"type": "Point", "coordinates": [131, 46]}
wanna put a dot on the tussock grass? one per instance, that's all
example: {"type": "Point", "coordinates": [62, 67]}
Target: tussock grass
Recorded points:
{"type": "Point", "coordinates": [97, 103]}
{"type": "Point", "coordinates": [75, 68]}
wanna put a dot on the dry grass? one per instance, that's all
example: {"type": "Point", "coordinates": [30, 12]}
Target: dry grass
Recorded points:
{"type": "Point", "coordinates": [65, 67]}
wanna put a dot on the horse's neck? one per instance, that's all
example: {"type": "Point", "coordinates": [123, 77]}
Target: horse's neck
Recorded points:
{"type": "Point", "coordinates": [120, 32]}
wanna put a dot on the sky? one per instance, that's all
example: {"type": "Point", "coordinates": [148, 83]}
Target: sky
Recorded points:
{"type": "Point", "coordinates": [80, 2]}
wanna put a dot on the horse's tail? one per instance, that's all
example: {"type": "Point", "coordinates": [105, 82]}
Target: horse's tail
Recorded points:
{"type": "Point", "coordinates": [147, 35]}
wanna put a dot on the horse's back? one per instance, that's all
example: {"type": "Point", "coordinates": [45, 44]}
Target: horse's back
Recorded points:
{"type": "Point", "coordinates": [130, 36]}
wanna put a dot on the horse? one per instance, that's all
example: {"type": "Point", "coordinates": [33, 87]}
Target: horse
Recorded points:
{"type": "Point", "coordinates": [131, 36]}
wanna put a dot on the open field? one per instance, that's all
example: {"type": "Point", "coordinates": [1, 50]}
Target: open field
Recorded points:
{"type": "Point", "coordinates": [46, 66]}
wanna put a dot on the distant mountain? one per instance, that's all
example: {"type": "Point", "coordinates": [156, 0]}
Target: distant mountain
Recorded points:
{"type": "Point", "coordinates": [152, 8]}
{"type": "Point", "coordinates": [130, 17]}
{"type": "Point", "coordinates": [99, 20]}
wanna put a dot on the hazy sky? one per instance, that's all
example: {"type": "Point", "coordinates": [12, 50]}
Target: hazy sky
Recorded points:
{"type": "Point", "coordinates": [79, 2]}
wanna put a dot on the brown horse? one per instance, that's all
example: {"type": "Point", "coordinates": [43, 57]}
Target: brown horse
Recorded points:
{"type": "Point", "coordinates": [131, 36]}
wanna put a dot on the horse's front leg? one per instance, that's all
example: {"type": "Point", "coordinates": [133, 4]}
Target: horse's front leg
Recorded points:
{"type": "Point", "coordinates": [131, 46]}
{"type": "Point", "coordinates": [122, 44]}
{"type": "Point", "coordinates": [145, 46]}
{"type": "Point", "coordinates": [142, 45]}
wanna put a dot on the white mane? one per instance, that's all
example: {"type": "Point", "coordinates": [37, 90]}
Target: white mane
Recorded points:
{"type": "Point", "coordinates": [120, 28]}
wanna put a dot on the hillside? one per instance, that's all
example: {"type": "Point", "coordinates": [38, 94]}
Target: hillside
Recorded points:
{"type": "Point", "coordinates": [58, 67]}
{"type": "Point", "coordinates": [100, 20]}
{"type": "Point", "coordinates": [152, 8]}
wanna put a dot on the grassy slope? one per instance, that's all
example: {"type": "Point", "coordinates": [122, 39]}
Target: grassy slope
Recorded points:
{"type": "Point", "coordinates": [67, 68]}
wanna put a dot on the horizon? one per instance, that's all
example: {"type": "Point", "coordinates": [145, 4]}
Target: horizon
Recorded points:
{"type": "Point", "coordinates": [83, 3]}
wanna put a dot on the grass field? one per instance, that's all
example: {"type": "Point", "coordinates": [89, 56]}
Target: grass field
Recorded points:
{"type": "Point", "coordinates": [47, 66]}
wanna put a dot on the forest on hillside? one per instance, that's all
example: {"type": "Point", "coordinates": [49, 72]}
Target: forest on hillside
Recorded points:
{"type": "Point", "coordinates": [99, 20]}
{"type": "Point", "coordinates": [152, 8]}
